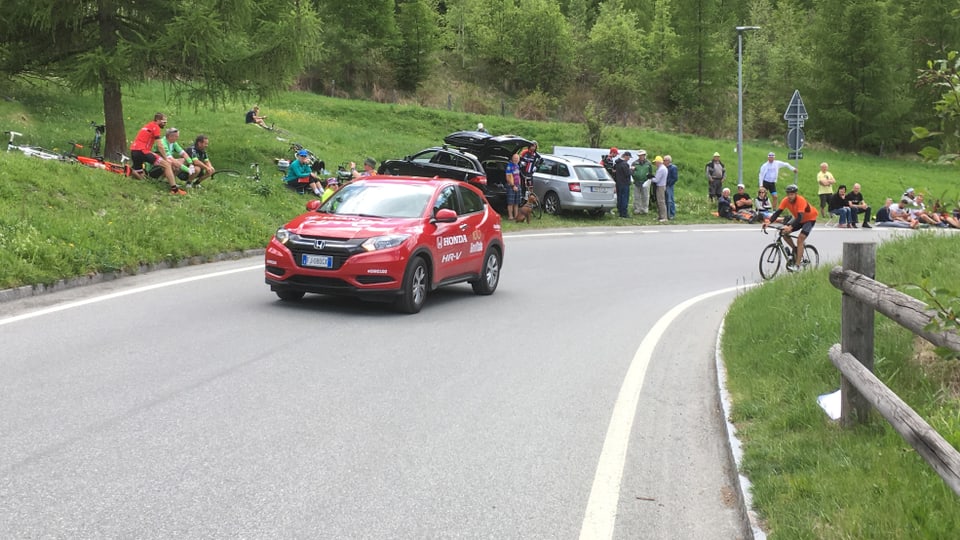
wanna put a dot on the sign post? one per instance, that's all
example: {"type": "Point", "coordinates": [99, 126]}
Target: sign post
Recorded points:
{"type": "Point", "coordinates": [795, 116]}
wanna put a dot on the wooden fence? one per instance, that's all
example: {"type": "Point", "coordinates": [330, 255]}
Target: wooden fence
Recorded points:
{"type": "Point", "coordinates": [859, 388]}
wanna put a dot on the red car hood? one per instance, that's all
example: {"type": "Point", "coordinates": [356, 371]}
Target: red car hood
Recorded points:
{"type": "Point", "coordinates": [347, 227]}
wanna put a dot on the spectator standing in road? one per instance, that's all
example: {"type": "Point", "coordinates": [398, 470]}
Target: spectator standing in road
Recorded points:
{"type": "Point", "coordinates": [770, 171]}
{"type": "Point", "coordinates": [825, 182]}
{"type": "Point", "coordinates": [716, 174]}
{"type": "Point", "coordinates": [660, 180]}
{"type": "Point", "coordinates": [622, 177]}
{"type": "Point", "coordinates": [642, 174]}
{"type": "Point", "coordinates": [672, 176]}
{"type": "Point", "coordinates": [858, 206]}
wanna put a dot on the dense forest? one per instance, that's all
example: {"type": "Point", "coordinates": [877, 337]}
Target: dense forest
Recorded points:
{"type": "Point", "coordinates": [860, 65]}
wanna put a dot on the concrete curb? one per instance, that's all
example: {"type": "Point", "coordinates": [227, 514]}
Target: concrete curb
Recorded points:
{"type": "Point", "coordinates": [733, 443]}
{"type": "Point", "coordinates": [27, 291]}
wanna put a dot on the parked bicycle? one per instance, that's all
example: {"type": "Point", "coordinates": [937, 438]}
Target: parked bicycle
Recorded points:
{"type": "Point", "coordinates": [35, 151]}
{"type": "Point", "coordinates": [775, 253]}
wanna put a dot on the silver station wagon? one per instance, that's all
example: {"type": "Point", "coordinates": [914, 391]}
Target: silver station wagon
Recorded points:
{"type": "Point", "coordinates": [573, 183]}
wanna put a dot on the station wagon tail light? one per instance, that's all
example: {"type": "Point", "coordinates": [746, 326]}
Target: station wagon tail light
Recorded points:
{"type": "Point", "coordinates": [479, 180]}
{"type": "Point", "coordinates": [574, 187]}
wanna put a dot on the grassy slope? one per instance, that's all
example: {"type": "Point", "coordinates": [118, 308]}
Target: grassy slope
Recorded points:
{"type": "Point", "coordinates": [811, 479]}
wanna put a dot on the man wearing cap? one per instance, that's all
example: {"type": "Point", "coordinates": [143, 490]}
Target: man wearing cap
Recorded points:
{"type": "Point", "coordinates": [770, 171]}
{"type": "Point", "coordinates": [369, 169]}
{"type": "Point", "coordinates": [716, 174]}
{"type": "Point", "coordinates": [660, 180]}
{"type": "Point", "coordinates": [529, 161]}
{"type": "Point", "coordinates": [609, 160]}
{"type": "Point", "coordinates": [743, 203]}
{"type": "Point", "coordinates": [804, 218]}
{"type": "Point", "coordinates": [642, 174]}
{"type": "Point", "coordinates": [300, 176]}
{"type": "Point", "coordinates": [621, 176]}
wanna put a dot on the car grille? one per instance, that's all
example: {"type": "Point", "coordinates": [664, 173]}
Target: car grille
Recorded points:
{"type": "Point", "coordinates": [339, 250]}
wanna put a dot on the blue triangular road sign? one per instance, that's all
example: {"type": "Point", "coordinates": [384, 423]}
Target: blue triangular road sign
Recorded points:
{"type": "Point", "coordinates": [796, 110]}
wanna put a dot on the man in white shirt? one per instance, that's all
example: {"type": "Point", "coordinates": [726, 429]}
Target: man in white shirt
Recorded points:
{"type": "Point", "coordinates": [769, 172]}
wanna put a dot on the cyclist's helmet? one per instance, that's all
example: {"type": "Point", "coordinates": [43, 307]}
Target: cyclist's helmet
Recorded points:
{"type": "Point", "coordinates": [792, 188]}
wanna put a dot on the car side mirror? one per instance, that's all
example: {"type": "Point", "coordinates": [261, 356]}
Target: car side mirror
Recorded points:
{"type": "Point", "coordinates": [408, 158]}
{"type": "Point", "coordinates": [312, 205]}
{"type": "Point", "coordinates": [444, 215]}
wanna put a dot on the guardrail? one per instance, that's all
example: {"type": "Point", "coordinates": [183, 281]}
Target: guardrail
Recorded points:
{"type": "Point", "coordinates": [853, 356]}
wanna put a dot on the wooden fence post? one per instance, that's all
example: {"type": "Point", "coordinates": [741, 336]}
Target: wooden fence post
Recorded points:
{"type": "Point", "coordinates": [856, 329]}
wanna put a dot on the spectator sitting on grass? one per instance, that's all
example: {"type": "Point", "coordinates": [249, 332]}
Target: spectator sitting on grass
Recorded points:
{"type": "Point", "coordinates": [253, 117]}
{"type": "Point", "coordinates": [300, 176]}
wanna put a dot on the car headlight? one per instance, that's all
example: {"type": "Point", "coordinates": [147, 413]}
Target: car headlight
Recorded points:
{"type": "Point", "coordinates": [282, 235]}
{"type": "Point", "coordinates": [384, 242]}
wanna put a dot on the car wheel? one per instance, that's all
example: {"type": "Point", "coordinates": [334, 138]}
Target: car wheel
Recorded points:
{"type": "Point", "coordinates": [551, 203]}
{"type": "Point", "coordinates": [289, 296]}
{"type": "Point", "coordinates": [416, 281]}
{"type": "Point", "coordinates": [489, 274]}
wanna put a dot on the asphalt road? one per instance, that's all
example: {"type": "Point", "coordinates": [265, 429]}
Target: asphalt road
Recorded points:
{"type": "Point", "coordinates": [579, 400]}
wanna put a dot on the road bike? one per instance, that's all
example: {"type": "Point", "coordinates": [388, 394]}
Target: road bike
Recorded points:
{"type": "Point", "coordinates": [233, 174]}
{"type": "Point", "coordinates": [96, 144]}
{"type": "Point", "coordinates": [36, 151]}
{"type": "Point", "coordinates": [776, 252]}
{"type": "Point", "coordinates": [531, 200]}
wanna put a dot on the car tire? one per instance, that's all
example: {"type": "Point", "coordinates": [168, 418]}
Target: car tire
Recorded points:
{"type": "Point", "coordinates": [289, 296]}
{"type": "Point", "coordinates": [551, 203]}
{"type": "Point", "coordinates": [416, 283]}
{"type": "Point", "coordinates": [489, 274]}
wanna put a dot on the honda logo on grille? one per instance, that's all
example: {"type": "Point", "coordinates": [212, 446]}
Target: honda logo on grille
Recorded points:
{"type": "Point", "coordinates": [318, 244]}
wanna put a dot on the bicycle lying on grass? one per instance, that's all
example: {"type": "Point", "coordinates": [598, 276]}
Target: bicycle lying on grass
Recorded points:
{"type": "Point", "coordinates": [775, 253]}
{"type": "Point", "coordinates": [36, 151]}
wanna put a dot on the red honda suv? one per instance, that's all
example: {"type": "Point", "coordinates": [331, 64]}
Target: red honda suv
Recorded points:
{"type": "Point", "coordinates": [389, 239]}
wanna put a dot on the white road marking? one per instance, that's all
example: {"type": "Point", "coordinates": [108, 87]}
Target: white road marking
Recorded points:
{"type": "Point", "coordinates": [118, 294]}
{"type": "Point", "coordinates": [601, 513]}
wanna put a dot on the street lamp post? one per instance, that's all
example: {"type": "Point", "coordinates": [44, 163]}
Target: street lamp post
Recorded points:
{"type": "Point", "coordinates": [740, 30]}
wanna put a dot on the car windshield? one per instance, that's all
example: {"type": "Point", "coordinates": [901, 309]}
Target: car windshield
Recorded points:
{"type": "Point", "coordinates": [591, 172]}
{"type": "Point", "coordinates": [393, 200]}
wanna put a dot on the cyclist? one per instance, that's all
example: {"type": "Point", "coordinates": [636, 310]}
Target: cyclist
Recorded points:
{"type": "Point", "coordinates": [140, 152]}
{"type": "Point", "coordinates": [804, 218]}
{"type": "Point", "coordinates": [529, 161]}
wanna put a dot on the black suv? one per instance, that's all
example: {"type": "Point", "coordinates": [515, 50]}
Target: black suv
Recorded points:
{"type": "Point", "coordinates": [471, 156]}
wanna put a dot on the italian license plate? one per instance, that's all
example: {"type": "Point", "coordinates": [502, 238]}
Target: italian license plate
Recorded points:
{"type": "Point", "coordinates": [316, 261]}
{"type": "Point", "coordinates": [599, 189]}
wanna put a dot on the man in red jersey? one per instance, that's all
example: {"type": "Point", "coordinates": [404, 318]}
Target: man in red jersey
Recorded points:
{"type": "Point", "coordinates": [141, 152]}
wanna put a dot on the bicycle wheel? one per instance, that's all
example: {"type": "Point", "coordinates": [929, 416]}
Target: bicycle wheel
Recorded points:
{"type": "Point", "coordinates": [226, 174]}
{"type": "Point", "coordinates": [811, 257]}
{"type": "Point", "coordinates": [536, 210]}
{"type": "Point", "coordinates": [770, 259]}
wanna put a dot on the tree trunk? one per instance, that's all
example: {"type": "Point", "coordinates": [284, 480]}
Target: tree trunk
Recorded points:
{"type": "Point", "coordinates": [112, 99]}
{"type": "Point", "coordinates": [113, 118]}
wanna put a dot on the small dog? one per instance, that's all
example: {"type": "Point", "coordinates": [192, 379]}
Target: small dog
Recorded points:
{"type": "Point", "coordinates": [523, 213]}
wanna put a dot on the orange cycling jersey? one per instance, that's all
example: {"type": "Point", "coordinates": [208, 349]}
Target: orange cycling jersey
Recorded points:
{"type": "Point", "coordinates": [798, 206]}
